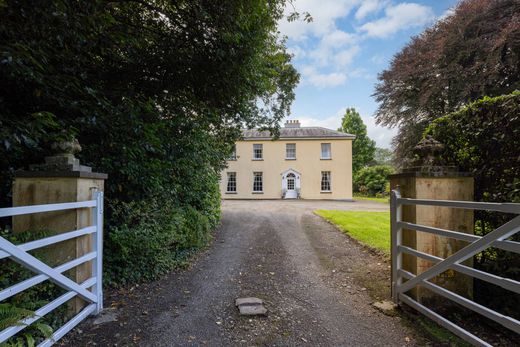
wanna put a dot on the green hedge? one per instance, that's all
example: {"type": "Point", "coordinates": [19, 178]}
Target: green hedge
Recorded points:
{"type": "Point", "coordinates": [483, 138]}
{"type": "Point", "coordinates": [152, 239]}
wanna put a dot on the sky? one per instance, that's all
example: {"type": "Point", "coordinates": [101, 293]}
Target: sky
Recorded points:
{"type": "Point", "coordinates": [340, 53]}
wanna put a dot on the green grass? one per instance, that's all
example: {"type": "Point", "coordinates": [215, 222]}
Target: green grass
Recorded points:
{"type": "Point", "coordinates": [369, 198]}
{"type": "Point", "coordinates": [370, 228]}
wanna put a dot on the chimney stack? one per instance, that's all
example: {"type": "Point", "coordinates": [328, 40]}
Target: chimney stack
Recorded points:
{"type": "Point", "coordinates": [292, 123]}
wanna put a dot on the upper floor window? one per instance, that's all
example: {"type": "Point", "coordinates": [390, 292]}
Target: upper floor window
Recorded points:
{"type": "Point", "coordinates": [231, 182]}
{"type": "Point", "coordinates": [258, 184]}
{"type": "Point", "coordinates": [233, 155]}
{"type": "Point", "coordinates": [258, 151]}
{"type": "Point", "coordinates": [290, 151]}
{"type": "Point", "coordinates": [325, 181]}
{"type": "Point", "coordinates": [325, 151]}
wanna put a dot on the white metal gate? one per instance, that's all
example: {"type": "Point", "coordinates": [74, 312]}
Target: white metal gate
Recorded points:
{"type": "Point", "coordinates": [497, 238]}
{"type": "Point", "coordinates": [90, 290]}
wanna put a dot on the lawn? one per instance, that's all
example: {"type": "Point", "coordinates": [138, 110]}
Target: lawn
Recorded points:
{"type": "Point", "coordinates": [369, 198]}
{"type": "Point", "coordinates": [370, 228]}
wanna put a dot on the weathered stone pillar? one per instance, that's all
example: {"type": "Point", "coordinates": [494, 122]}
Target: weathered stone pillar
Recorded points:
{"type": "Point", "coordinates": [438, 183]}
{"type": "Point", "coordinates": [60, 179]}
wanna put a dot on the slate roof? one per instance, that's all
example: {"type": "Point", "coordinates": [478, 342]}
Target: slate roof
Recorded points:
{"type": "Point", "coordinates": [297, 133]}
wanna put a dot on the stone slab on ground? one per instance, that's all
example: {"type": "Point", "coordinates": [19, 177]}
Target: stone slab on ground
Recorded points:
{"type": "Point", "coordinates": [248, 301]}
{"type": "Point", "coordinates": [252, 310]}
{"type": "Point", "coordinates": [106, 316]}
{"type": "Point", "coordinates": [387, 307]}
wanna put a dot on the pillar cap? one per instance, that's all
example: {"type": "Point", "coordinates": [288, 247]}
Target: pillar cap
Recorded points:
{"type": "Point", "coordinates": [424, 174]}
{"type": "Point", "coordinates": [71, 174]}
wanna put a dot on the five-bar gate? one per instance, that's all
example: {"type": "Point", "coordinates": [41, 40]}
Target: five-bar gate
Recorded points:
{"type": "Point", "coordinates": [403, 281]}
{"type": "Point", "coordinates": [90, 290]}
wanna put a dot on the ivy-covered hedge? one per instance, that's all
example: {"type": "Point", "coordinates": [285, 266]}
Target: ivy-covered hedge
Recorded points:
{"type": "Point", "coordinates": [150, 240]}
{"type": "Point", "coordinates": [484, 138]}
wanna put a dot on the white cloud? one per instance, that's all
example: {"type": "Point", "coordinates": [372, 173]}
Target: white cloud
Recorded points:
{"type": "Point", "coordinates": [368, 7]}
{"type": "Point", "coordinates": [338, 38]}
{"type": "Point", "coordinates": [382, 135]}
{"type": "Point", "coordinates": [321, 80]}
{"type": "Point", "coordinates": [345, 57]}
{"type": "Point", "coordinates": [399, 17]}
{"type": "Point", "coordinates": [324, 14]}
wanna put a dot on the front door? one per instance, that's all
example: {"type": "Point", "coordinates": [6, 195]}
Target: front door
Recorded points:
{"type": "Point", "coordinates": [290, 184]}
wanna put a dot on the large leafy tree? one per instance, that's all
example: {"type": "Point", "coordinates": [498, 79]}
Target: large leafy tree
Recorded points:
{"type": "Point", "coordinates": [473, 52]}
{"type": "Point", "coordinates": [363, 148]}
{"type": "Point", "coordinates": [156, 91]}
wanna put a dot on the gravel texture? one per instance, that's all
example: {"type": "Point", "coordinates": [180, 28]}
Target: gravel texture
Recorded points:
{"type": "Point", "coordinates": [316, 283]}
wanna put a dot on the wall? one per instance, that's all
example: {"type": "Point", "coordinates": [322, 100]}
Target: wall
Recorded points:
{"type": "Point", "coordinates": [307, 163]}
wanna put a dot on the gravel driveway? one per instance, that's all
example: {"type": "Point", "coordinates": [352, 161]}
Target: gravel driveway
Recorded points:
{"type": "Point", "coordinates": [302, 267]}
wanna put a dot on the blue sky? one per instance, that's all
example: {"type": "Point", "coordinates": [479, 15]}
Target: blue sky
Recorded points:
{"type": "Point", "coordinates": [341, 52]}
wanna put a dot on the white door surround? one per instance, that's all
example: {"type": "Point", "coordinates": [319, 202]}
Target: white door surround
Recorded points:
{"type": "Point", "coordinates": [290, 184]}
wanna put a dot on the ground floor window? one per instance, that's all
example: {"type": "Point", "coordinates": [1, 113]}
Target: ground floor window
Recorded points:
{"type": "Point", "coordinates": [257, 182]}
{"type": "Point", "coordinates": [325, 181]}
{"type": "Point", "coordinates": [231, 182]}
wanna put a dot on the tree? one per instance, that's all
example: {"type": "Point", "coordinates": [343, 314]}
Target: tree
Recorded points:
{"type": "Point", "coordinates": [155, 91]}
{"type": "Point", "coordinates": [383, 156]}
{"type": "Point", "coordinates": [363, 148]}
{"type": "Point", "coordinates": [472, 53]}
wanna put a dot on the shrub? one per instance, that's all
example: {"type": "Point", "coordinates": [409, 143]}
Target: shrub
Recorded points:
{"type": "Point", "coordinates": [151, 239]}
{"type": "Point", "coordinates": [373, 180]}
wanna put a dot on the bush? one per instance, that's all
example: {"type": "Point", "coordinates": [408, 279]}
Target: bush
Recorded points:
{"type": "Point", "coordinates": [151, 239]}
{"type": "Point", "coordinates": [373, 180]}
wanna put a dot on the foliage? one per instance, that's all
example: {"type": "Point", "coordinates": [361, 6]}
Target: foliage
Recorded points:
{"type": "Point", "coordinates": [371, 228]}
{"type": "Point", "coordinates": [156, 93]}
{"type": "Point", "coordinates": [363, 148]}
{"type": "Point", "coordinates": [23, 304]}
{"type": "Point", "coordinates": [373, 180]}
{"type": "Point", "coordinates": [484, 138]}
{"type": "Point", "coordinates": [383, 156]}
{"type": "Point", "coordinates": [151, 239]}
{"type": "Point", "coordinates": [469, 54]}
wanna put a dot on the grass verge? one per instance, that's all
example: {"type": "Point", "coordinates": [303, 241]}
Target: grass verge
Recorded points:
{"type": "Point", "coordinates": [370, 198]}
{"type": "Point", "coordinates": [370, 228]}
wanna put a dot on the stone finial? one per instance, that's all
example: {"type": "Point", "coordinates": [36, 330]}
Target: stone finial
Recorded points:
{"type": "Point", "coordinates": [428, 158]}
{"type": "Point", "coordinates": [66, 147]}
{"type": "Point", "coordinates": [63, 159]}
{"type": "Point", "coordinates": [428, 151]}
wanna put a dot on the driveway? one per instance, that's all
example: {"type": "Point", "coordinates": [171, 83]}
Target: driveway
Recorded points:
{"type": "Point", "coordinates": [306, 271]}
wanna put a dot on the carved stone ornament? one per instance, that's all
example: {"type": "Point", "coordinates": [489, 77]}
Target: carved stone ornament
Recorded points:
{"type": "Point", "coordinates": [63, 159]}
{"type": "Point", "coordinates": [66, 147]}
{"type": "Point", "coordinates": [428, 159]}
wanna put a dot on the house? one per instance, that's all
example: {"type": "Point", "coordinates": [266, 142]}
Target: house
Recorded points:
{"type": "Point", "coordinates": [304, 162]}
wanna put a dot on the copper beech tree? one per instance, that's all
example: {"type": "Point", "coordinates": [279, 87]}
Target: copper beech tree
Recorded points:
{"type": "Point", "coordinates": [471, 53]}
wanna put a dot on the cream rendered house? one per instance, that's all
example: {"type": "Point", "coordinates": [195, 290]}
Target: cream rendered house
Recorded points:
{"type": "Point", "coordinates": [305, 163]}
